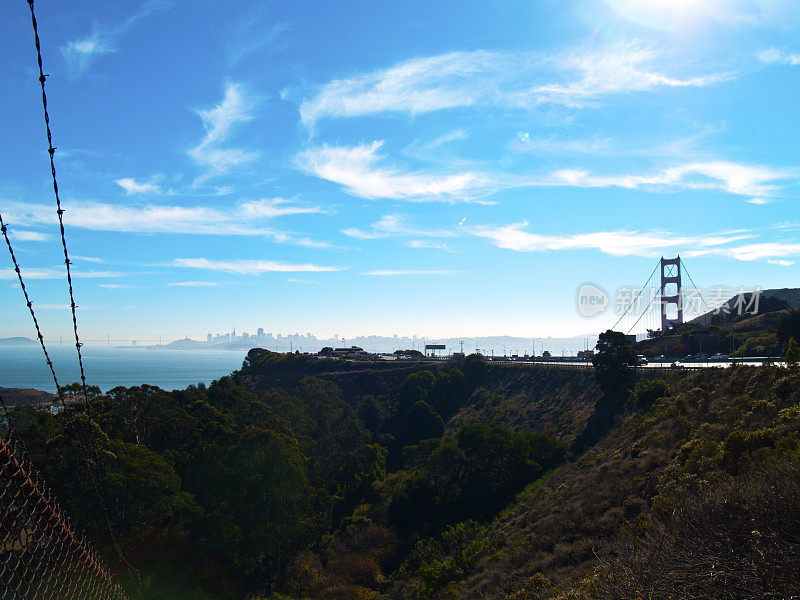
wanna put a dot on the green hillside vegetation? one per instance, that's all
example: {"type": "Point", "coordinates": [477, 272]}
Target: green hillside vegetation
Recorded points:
{"type": "Point", "coordinates": [312, 478]}
{"type": "Point", "coordinates": [765, 334]}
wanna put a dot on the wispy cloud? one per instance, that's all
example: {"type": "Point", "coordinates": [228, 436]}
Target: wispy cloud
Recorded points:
{"type": "Point", "coordinates": [252, 33]}
{"type": "Point", "coordinates": [637, 243]}
{"type": "Point", "coordinates": [131, 186]}
{"type": "Point", "coordinates": [57, 273]}
{"type": "Point", "coordinates": [400, 272]}
{"type": "Point", "coordinates": [20, 235]}
{"type": "Point", "coordinates": [79, 54]}
{"type": "Point", "coordinates": [361, 170]}
{"type": "Point", "coordinates": [358, 170]}
{"type": "Point", "coordinates": [269, 208]}
{"type": "Point", "coordinates": [251, 267]}
{"type": "Point", "coordinates": [734, 178]}
{"type": "Point", "coordinates": [617, 243]}
{"type": "Point", "coordinates": [193, 284]}
{"type": "Point", "coordinates": [759, 251]}
{"type": "Point", "coordinates": [429, 244]}
{"type": "Point", "coordinates": [518, 80]}
{"type": "Point", "coordinates": [773, 56]}
{"type": "Point", "coordinates": [91, 259]}
{"type": "Point", "coordinates": [394, 225]}
{"type": "Point", "coordinates": [247, 218]}
{"type": "Point", "coordinates": [117, 286]}
{"type": "Point", "coordinates": [235, 108]}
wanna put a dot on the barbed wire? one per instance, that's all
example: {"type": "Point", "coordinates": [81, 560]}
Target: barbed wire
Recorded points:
{"type": "Point", "coordinates": [4, 230]}
{"type": "Point", "coordinates": [95, 477]}
{"type": "Point", "coordinates": [51, 151]}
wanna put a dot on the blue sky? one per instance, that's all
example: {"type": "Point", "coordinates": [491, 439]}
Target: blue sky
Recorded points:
{"type": "Point", "coordinates": [432, 168]}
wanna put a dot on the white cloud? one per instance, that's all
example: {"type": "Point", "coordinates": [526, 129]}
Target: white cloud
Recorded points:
{"type": "Point", "coordinates": [636, 243]}
{"type": "Point", "coordinates": [57, 273]}
{"type": "Point", "coordinates": [245, 218]}
{"type": "Point", "coordinates": [91, 259]}
{"type": "Point", "coordinates": [116, 286]}
{"type": "Point", "coordinates": [734, 178]}
{"type": "Point", "coordinates": [773, 56]}
{"type": "Point", "coordinates": [250, 267]}
{"type": "Point", "coordinates": [193, 284]}
{"type": "Point", "coordinates": [617, 243]}
{"type": "Point", "coordinates": [360, 170]}
{"type": "Point", "coordinates": [782, 263]}
{"type": "Point", "coordinates": [21, 235]}
{"type": "Point", "coordinates": [80, 54]}
{"type": "Point", "coordinates": [398, 272]}
{"type": "Point", "coordinates": [518, 80]}
{"type": "Point", "coordinates": [763, 250]}
{"type": "Point", "coordinates": [235, 108]}
{"type": "Point", "coordinates": [429, 244]}
{"type": "Point", "coordinates": [269, 208]}
{"type": "Point", "coordinates": [131, 186]}
{"type": "Point", "coordinates": [356, 168]}
{"type": "Point", "coordinates": [394, 225]}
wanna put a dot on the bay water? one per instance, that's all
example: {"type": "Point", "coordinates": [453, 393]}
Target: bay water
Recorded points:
{"type": "Point", "coordinates": [23, 366]}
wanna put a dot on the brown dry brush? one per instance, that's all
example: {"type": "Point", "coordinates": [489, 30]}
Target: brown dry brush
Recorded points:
{"type": "Point", "coordinates": [738, 540]}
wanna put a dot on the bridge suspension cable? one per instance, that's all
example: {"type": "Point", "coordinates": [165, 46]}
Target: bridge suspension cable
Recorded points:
{"type": "Point", "coordinates": [638, 295]}
{"type": "Point", "coordinates": [699, 293]}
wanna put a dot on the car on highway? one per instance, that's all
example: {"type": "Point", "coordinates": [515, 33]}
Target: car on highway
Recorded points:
{"type": "Point", "coordinates": [719, 356]}
{"type": "Point", "coordinates": [642, 360]}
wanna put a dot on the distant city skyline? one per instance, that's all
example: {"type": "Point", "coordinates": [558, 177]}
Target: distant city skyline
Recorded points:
{"type": "Point", "coordinates": [410, 167]}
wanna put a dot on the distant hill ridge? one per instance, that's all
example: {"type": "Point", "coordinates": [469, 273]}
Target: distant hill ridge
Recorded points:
{"type": "Point", "coordinates": [789, 295]}
{"type": "Point", "coordinates": [14, 341]}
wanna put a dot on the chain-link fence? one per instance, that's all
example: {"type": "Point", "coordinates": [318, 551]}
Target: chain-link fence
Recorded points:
{"type": "Point", "coordinates": [40, 555]}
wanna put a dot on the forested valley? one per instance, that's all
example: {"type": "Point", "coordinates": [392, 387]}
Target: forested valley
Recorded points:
{"type": "Point", "coordinates": [300, 477]}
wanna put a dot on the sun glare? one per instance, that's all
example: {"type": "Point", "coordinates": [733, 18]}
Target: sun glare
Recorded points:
{"type": "Point", "coordinates": [662, 14]}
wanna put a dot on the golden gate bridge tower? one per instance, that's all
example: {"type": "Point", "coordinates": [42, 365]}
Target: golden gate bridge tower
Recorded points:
{"type": "Point", "coordinates": [671, 293]}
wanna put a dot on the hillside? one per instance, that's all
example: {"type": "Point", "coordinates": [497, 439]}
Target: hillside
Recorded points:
{"type": "Point", "coordinates": [447, 480]}
{"type": "Point", "coordinates": [14, 396]}
{"type": "Point", "coordinates": [762, 329]}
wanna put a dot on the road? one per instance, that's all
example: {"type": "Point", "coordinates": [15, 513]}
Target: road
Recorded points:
{"type": "Point", "coordinates": [710, 364]}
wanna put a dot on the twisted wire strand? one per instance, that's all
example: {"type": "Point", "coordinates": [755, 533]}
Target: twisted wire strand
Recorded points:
{"type": "Point", "coordinates": [4, 230]}
{"type": "Point", "coordinates": [51, 151]}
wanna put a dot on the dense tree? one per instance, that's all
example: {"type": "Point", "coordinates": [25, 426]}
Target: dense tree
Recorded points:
{"type": "Point", "coordinates": [468, 475]}
{"type": "Point", "coordinates": [792, 353]}
{"type": "Point", "coordinates": [474, 368]}
{"type": "Point", "coordinates": [789, 325]}
{"type": "Point", "coordinates": [614, 362]}
{"type": "Point", "coordinates": [417, 387]}
{"type": "Point", "coordinates": [420, 423]}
